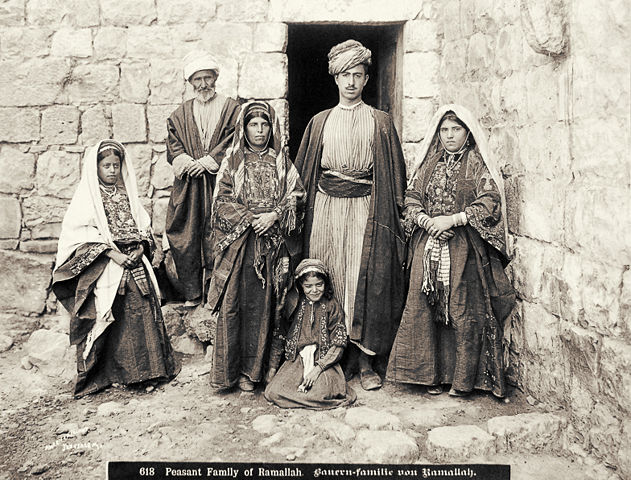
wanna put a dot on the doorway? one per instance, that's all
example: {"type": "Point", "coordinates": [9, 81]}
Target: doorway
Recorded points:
{"type": "Point", "coordinates": [312, 89]}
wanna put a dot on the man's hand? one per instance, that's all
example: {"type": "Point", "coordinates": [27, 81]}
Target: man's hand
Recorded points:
{"type": "Point", "coordinates": [263, 222]}
{"type": "Point", "coordinates": [195, 170]}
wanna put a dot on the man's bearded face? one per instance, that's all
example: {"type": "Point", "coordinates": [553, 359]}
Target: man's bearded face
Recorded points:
{"type": "Point", "coordinates": [204, 84]}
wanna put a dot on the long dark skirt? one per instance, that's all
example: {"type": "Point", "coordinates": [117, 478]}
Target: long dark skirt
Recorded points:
{"type": "Point", "coordinates": [429, 353]}
{"type": "Point", "coordinates": [329, 390]}
{"type": "Point", "coordinates": [133, 349]}
{"type": "Point", "coordinates": [244, 321]}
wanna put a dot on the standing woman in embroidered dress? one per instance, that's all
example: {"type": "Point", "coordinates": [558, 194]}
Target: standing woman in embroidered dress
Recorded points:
{"type": "Point", "coordinates": [459, 295]}
{"type": "Point", "coordinates": [254, 211]}
{"type": "Point", "coordinates": [103, 277]}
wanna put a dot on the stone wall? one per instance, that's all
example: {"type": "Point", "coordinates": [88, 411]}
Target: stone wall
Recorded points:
{"type": "Point", "coordinates": [550, 82]}
{"type": "Point", "coordinates": [548, 79]}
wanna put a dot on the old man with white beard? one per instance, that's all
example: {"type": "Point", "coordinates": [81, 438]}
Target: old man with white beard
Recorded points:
{"type": "Point", "coordinates": [199, 131]}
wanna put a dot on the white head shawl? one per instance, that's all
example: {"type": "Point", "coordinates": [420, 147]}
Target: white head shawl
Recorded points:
{"type": "Point", "coordinates": [85, 222]}
{"type": "Point", "coordinates": [199, 60]}
{"type": "Point", "coordinates": [481, 141]}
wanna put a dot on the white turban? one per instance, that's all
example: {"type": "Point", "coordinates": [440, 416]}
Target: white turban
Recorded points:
{"type": "Point", "coordinates": [347, 55]}
{"type": "Point", "coordinates": [199, 60]}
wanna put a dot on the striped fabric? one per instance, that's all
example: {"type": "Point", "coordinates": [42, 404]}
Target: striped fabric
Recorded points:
{"type": "Point", "coordinates": [206, 116]}
{"type": "Point", "coordinates": [339, 224]}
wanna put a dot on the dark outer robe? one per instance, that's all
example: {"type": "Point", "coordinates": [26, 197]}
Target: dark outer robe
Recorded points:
{"type": "Point", "coordinates": [381, 285]}
{"type": "Point", "coordinates": [189, 210]}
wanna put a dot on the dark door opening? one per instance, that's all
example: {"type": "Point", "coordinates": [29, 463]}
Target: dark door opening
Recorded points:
{"type": "Point", "coordinates": [312, 89]}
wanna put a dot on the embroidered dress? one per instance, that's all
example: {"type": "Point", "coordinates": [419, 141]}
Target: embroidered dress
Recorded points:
{"type": "Point", "coordinates": [316, 337]}
{"type": "Point", "coordinates": [116, 321]}
{"type": "Point", "coordinates": [451, 328]}
{"type": "Point", "coordinates": [251, 272]}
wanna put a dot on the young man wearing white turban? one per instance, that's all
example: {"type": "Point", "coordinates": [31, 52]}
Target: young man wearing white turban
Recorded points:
{"type": "Point", "coordinates": [199, 132]}
{"type": "Point", "coordinates": [351, 163]}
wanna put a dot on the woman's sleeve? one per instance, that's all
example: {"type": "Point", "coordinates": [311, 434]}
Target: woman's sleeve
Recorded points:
{"type": "Point", "coordinates": [413, 207]}
{"type": "Point", "coordinates": [484, 213]}
{"type": "Point", "coordinates": [289, 209]}
{"type": "Point", "coordinates": [84, 256]}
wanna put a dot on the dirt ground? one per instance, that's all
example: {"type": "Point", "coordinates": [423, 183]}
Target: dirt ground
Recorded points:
{"type": "Point", "coordinates": [49, 435]}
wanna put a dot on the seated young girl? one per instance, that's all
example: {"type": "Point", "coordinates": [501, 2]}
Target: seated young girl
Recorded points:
{"type": "Point", "coordinates": [314, 342]}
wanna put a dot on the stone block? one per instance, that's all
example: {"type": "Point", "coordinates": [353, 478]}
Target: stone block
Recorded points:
{"type": "Point", "coordinates": [508, 51]}
{"type": "Point", "coordinates": [33, 81]}
{"type": "Point", "coordinates": [615, 373]}
{"type": "Point", "coordinates": [24, 281]}
{"type": "Point", "coordinates": [140, 155]}
{"type": "Point", "coordinates": [340, 432]}
{"type": "Point", "coordinates": [538, 273]}
{"type": "Point", "coordinates": [606, 430]}
{"type": "Point", "coordinates": [542, 205]}
{"type": "Point", "coordinates": [18, 170]}
{"type": "Point", "coordinates": [110, 43]}
{"type": "Point", "coordinates": [185, 37]}
{"type": "Point", "coordinates": [228, 77]}
{"type": "Point", "coordinates": [25, 42]}
{"type": "Point", "coordinates": [612, 166]}
{"type": "Point", "coordinates": [10, 244]}
{"type": "Point", "coordinates": [270, 37]}
{"type": "Point", "coordinates": [94, 83]}
{"type": "Point", "coordinates": [145, 42]}
{"type": "Point", "coordinates": [420, 74]}
{"type": "Point", "coordinates": [527, 432]}
{"type": "Point", "coordinates": [60, 125]}
{"type": "Point", "coordinates": [12, 13]}
{"type": "Point", "coordinates": [19, 124]}
{"type": "Point", "coordinates": [6, 343]}
{"type": "Point", "coordinates": [365, 417]}
{"type": "Point", "coordinates": [244, 11]}
{"type": "Point", "coordinates": [449, 17]}
{"type": "Point", "coordinates": [420, 36]}
{"type": "Point", "coordinates": [230, 40]}
{"type": "Point", "coordinates": [51, 353]}
{"type": "Point", "coordinates": [454, 61]}
{"type": "Point", "coordinates": [68, 42]}
{"type": "Point", "coordinates": [587, 228]}
{"type": "Point", "coordinates": [124, 13]}
{"type": "Point", "coordinates": [157, 116]}
{"type": "Point", "coordinates": [503, 144]}
{"type": "Point", "coordinates": [172, 315]}
{"type": "Point", "coordinates": [625, 303]}
{"type": "Point", "coordinates": [281, 107]}
{"type": "Point", "coordinates": [512, 97]}
{"type": "Point", "coordinates": [418, 113]}
{"type": "Point", "coordinates": [543, 92]}
{"type": "Point", "coordinates": [162, 172]}
{"type": "Point", "coordinates": [423, 417]}
{"type": "Point", "coordinates": [412, 155]}
{"type": "Point", "coordinates": [263, 75]}
{"type": "Point", "coordinates": [624, 451]}
{"type": "Point", "coordinates": [479, 56]}
{"type": "Point", "coordinates": [159, 215]}
{"type": "Point", "coordinates": [82, 13]}
{"type": "Point", "coordinates": [11, 218]}
{"type": "Point", "coordinates": [385, 447]}
{"type": "Point", "coordinates": [187, 345]}
{"type": "Point", "coordinates": [459, 443]}
{"type": "Point", "coordinates": [541, 329]}
{"type": "Point", "coordinates": [167, 83]}
{"type": "Point", "coordinates": [129, 122]}
{"type": "Point", "coordinates": [95, 125]}
{"type": "Point", "coordinates": [39, 246]}
{"type": "Point", "coordinates": [266, 424]}
{"type": "Point", "coordinates": [57, 174]}
{"type": "Point", "coordinates": [200, 323]}
{"type": "Point", "coordinates": [549, 157]}
{"type": "Point", "coordinates": [359, 11]}
{"type": "Point", "coordinates": [544, 25]}
{"type": "Point", "coordinates": [184, 11]}
{"type": "Point", "coordinates": [134, 86]}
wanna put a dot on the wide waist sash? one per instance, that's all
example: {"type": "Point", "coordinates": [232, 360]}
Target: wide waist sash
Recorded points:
{"type": "Point", "coordinates": [345, 184]}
